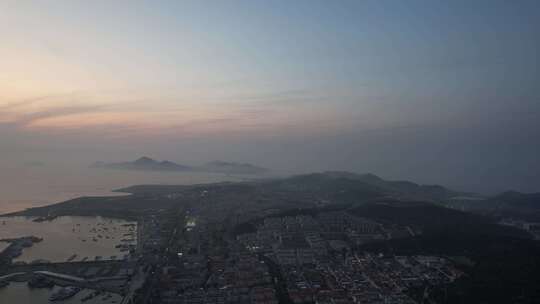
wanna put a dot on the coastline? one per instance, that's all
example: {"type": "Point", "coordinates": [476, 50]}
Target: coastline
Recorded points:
{"type": "Point", "coordinates": [31, 188]}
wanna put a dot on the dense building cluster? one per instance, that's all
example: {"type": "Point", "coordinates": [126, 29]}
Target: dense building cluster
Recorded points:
{"type": "Point", "coordinates": [365, 278]}
{"type": "Point", "coordinates": [293, 259]}
{"type": "Point", "coordinates": [318, 262]}
{"type": "Point", "coordinates": [207, 270]}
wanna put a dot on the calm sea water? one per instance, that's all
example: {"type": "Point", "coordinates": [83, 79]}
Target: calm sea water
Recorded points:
{"type": "Point", "coordinates": [64, 237]}
{"type": "Point", "coordinates": [70, 235]}
{"type": "Point", "coordinates": [25, 187]}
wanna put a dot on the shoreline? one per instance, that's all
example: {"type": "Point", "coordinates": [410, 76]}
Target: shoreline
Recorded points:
{"type": "Point", "coordinates": [34, 188]}
{"type": "Point", "coordinates": [30, 206]}
{"type": "Point", "coordinates": [90, 275]}
{"type": "Point", "coordinates": [114, 238]}
{"type": "Point", "coordinates": [39, 213]}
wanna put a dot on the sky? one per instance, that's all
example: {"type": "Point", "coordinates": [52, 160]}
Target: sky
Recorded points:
{"type": "Point", "coordinates": [433, 91]}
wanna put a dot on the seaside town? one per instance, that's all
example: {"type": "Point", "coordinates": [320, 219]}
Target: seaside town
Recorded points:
{"type": "Point", "coordinates": [270, 152]}
{"type": "Point", "coordinates": [294, 259]}
{"type": "Point", "coordinates": [272, 242]}
{"type": "Point", "coordinates": [196, 252]}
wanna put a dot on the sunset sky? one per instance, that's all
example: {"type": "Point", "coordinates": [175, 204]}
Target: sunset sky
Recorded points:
{"type": "Point", "coordinates": [390, 87]}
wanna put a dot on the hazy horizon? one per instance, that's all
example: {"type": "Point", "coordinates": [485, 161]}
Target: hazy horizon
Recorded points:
{"type": "Point", "coordinates": [432, 92]}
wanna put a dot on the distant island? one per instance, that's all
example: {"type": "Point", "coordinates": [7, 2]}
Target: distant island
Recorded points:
{"type": "Point", "coordinates": [148, 164]}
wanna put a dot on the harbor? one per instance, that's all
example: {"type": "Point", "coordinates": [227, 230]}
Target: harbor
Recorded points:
{"type": "Point", "coordinates": [66, 259]}
{"type": "Point", "coordinates": [69, 238]}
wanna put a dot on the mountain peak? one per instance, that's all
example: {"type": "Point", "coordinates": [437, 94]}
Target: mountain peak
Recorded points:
{"type": "Point", "coordinates": [371, 177]}
{"type": "Point", "coordinates": [144, 160]}
{"type": "Point", "coordinates": [146, 163]}
{"type": "Point", "coordinates": [233, 167]}
{"type": "Point", "coordinates": [367, 177]}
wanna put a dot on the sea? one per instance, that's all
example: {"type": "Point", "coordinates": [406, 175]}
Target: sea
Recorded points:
{"type": "Point", "coordinates": [70, 237]}
{"type": "Point", "coordinates": [24, 187]}
{"type": "Point", "coordinates": [66, 238]}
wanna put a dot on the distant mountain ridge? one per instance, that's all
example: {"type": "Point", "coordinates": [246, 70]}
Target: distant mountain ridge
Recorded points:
{"type": "Point", "coordinates": [148, 164]}
{"type": "Point", "coordinates": [517, 200]}
{"type": "Point", "coordinates": [376, 184]}
{"type": "Point", "coordinates": [226, 167]}
{"type": "Point", "coordinates": [335, 186]}
{"type": "Point", "coordinates": [519, 197]}
{"type": "Point", "coordinates": [145, 164]}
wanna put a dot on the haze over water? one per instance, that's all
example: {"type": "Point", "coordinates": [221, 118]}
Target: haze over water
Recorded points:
{"type": "Point", "coordinates": [32, 186]}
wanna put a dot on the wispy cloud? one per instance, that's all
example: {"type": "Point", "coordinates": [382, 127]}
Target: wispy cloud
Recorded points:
{"type": "Point", "coordinates": [177, 114]}
{"type": "Point", "coordinates": [25, 112]}
{"type": "Point", "coordinates": [32, 118]}
{"type": "Point", "coordinates": [14, 105]}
